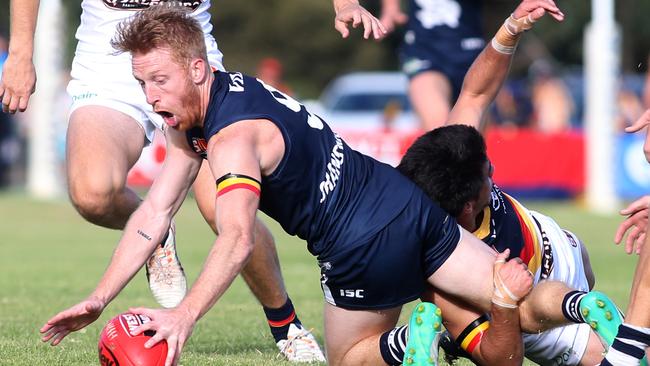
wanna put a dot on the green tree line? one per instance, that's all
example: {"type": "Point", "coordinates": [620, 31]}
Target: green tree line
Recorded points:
{"type": "Point", "coordinates": [300, 33]}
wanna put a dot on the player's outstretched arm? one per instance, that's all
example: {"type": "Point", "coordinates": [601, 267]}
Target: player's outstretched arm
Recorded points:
{"type": "Point", "coordinates": [488, 72]}
{"type": "Point", "coordinates": [350, 12]}
{"type": "Point", "coordinates": [495, 341]}
{"type": "Point", "coordinates": [146, 227]}
{"type": "Point", "coordinates": [18, 74]}
{"type": "Point", "coordinates": [234, 159]}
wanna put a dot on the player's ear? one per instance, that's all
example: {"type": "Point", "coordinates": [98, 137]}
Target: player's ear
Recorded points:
{"type": "Point", "coordinates": [198, 70]}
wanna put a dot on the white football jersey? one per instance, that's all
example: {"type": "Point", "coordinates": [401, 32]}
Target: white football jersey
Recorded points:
{"type": "Point", "coordinates": [99, 19]}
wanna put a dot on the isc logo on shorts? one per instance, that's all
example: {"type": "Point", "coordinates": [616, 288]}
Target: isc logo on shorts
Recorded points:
{"type": "Point", "coordinates": [352, 293]}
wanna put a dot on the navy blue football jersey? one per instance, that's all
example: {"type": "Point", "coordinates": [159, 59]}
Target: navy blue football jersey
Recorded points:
{"type": "Point", "coordinates": [322, 191]}
{"type": "Point", "coordinates": [446, 24]}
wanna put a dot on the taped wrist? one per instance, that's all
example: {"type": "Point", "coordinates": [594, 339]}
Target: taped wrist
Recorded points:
{"type": "Point", "coordinates": [507, 37]}
{"type": "Point", "coordinates": [502, 296]}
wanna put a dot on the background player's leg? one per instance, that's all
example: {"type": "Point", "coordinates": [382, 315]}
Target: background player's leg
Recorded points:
{"type": "Point", "coordinates": [263, 276]}
{"type": "Point", "coordinates": [430, 95]}
{"type": "Point", "coordinates": [352, 336]}
{"type": "Point", "coordinates": [262, 273]}
{"type": "Point", "coordinates": [102, 145]}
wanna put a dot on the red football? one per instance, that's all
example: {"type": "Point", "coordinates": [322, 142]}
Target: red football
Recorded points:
{"type": "Point", "coordinates": [117, 347]}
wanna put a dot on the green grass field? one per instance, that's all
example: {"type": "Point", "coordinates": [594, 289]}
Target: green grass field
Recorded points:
{"type": "Point", "coordinates": [51, 258]}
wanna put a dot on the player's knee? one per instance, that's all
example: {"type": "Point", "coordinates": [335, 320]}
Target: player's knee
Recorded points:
{"type": "Point", "coordinates": [94, 203]}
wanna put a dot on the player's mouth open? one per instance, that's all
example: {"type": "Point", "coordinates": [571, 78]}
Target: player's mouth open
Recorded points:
{"type": "Point", "coordinates": [168, 118]}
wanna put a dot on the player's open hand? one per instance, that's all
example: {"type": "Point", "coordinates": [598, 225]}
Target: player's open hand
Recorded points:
{"type": "Point", "coordinates": [70, 320]}
{"type": "Point", "coordinates": [640, 124]}
{"type": "Point", "coordinates": [512, 280]}
{"type": "Point", "coordinates": [635, 225]}
{"type": "Point", "coordinates": [17, 84]}
{"type": "Point", "coordinates": [535, 9]}
{"type": "Point", "coordinates": [173, 325]}
{"type": "Point", "coordinates": [354, 13]}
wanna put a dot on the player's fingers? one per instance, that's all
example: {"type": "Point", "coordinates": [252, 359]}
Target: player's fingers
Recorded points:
{"type": "Point", "coordinates": [356, 19]}
{"type": "Point", "coordinates": [142, 311]}
{"type": "Point", "coordinates": [143, 328]}
{"type": "Point", "coordinates": [503, 255]}
{"type": "Point", "coordinates": [59, 337]}
{"type": "Point", "coordinates": [639, 205]}
{"type": "Point", "coordinates": [621, 230]}
{"type": "Point", "coordinates": [22, 103]}
{"type": "Point", "coordinates": [631, 237]}
{"type": "Point", "coordinates": [640, 242]}
{"type": "Point", "coordinates": [367, 26]}
{"type": "Point", "coordinates": [379, 30]}
{"type": "Point", "coordinates": [342, 28]}
{"type": "Point", "coordinates": [640, 123]}
{"type": "Point", "coordinates": [158, 337]}
{"type": "Point", "coordinates": [171, 353]}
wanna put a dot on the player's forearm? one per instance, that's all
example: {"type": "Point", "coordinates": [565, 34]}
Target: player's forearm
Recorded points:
{"type": "Point", "coordinates": [23, 14]}
{"type": "Point", "coordinates": [225, 261]}
{"type": "Point", "coordinates": [501, 344]}
{"type": "Point", "coordinates": [144, 230]}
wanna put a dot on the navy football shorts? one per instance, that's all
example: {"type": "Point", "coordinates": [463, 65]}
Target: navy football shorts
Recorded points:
{"type": "Point", "coordinates": [450, 60]}
{"type": "Point", "coordinates": [391, 268]}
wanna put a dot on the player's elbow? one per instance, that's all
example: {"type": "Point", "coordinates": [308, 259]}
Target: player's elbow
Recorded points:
{"type": "Point", "coordinates": [487, 355]}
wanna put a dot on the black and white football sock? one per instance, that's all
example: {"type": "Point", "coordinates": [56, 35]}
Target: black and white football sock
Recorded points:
{"type": "Point", "coordinates": [629, 346]}
{"type": "Point", "coordinates": [392, 345]}
{"type": "Point", "coordinates": [571, 306]}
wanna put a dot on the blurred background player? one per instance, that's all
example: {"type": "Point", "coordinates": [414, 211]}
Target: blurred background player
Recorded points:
{"type": "Point", "coordinates": [110, 123]}
{"type": "Point", "coordinates": [442, 39]}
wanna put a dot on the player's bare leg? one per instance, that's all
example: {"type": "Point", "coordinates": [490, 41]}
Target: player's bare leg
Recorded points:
{"type": "Point", "coordinates": [102, 145]}
{"type": "Point", "coordinates": [467, 273]}
{"type": "Point", "coordinates": [352, 336]}
{"type": "Point", "coordinates": [263, 276]}
{"type": "Point", "coordinates": [430, 95]}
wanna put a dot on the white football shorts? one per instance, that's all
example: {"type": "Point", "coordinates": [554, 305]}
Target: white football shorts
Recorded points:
{"type": "Point", "coordinates": [564, 345]}
{"type": "Point", "coordinates": [107, 80]}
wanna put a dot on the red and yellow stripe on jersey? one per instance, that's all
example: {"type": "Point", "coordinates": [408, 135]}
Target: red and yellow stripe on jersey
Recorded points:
{"type": "Point", "coordinates": [531, 253]}
{"type": "Point", "coordinates": [506, 224]}
{"type": "Point", "coordinates": [230, 182]}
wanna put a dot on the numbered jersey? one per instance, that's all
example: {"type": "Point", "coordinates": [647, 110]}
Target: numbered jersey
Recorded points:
{"type": "Point", "coordinates": [446, 23]}
{"type": "Point", "coordinates": [322, 190]}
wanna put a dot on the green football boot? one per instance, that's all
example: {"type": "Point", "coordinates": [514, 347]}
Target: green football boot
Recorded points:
{"type": "Point", "coordinates": [425, 327]}
{"type": "Point", "coordinates": [602, 315]}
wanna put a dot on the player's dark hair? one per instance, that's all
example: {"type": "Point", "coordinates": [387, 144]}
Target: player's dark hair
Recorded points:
{"type": "Point", "coordinates": [166, 25]}
{"type": "Point", "coordinates": [448, 165]}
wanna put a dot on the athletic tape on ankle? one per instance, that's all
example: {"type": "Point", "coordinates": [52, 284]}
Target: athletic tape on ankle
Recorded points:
{"type": "Point", "coordinates": [502, 296]}
{"type": "Point", "coordinates": [507, 37]}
